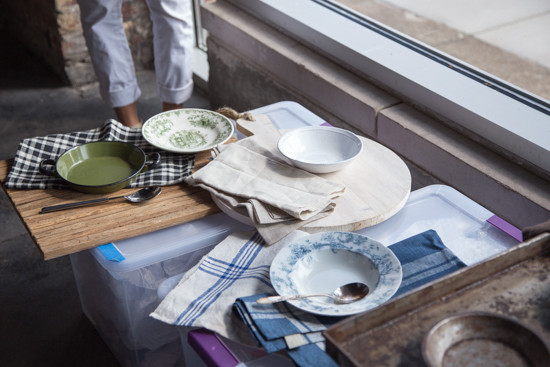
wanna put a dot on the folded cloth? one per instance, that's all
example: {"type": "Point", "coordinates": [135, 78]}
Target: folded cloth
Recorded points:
{"type": "Point", "coordinates": [281, 326]}
{"type": "Point", "coordinates": [25, 174]}
{"type": "Point", "coordinates": [274, 224]}
{"type": "Point", "coordinates": [241, 172]}
{"type": "Point", "coordinates": [278, 198]}
{"type": "Point", "coordinates": [238, 266]}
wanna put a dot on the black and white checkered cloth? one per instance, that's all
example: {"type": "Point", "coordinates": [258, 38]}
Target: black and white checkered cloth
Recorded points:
{"type": "Point", "coordinates": [24, 174]}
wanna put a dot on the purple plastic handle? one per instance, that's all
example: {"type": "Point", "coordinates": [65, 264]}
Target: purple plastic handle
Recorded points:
{"type": "Point", "coordinates": [506, 227]}
{"type": "Point", "coordinates": [211, 349]}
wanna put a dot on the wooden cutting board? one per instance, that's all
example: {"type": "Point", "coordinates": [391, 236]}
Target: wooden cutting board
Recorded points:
{"type": "Point", "coordinates": [69, 231]}
{"type": "Point", "coordinates": [378, 184]}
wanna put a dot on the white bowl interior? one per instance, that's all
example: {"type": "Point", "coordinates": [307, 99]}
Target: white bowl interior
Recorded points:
{"type": "Point", "coordinates": [325, 270]}
{"type": "Point", "coordinates": [320, 146]}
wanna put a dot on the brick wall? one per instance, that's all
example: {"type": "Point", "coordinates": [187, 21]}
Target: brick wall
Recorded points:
{"type": "Point", "coordinates": [51, 29]}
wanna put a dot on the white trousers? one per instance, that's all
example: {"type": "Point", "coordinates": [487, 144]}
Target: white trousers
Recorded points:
{"type": "Point", "coordinates": [173, 42]}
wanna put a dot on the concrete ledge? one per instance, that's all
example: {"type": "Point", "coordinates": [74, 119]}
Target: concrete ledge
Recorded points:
{"type": "Point", "coordinates": [299, 69]}
{"type": "Point", "coordinates": [486, 177]}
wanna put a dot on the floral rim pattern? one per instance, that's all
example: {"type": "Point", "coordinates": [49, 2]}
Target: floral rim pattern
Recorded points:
{"type": "Point", "coordinates": [388, 265]}
{"type": "Point", "coordinates": [187, 130]}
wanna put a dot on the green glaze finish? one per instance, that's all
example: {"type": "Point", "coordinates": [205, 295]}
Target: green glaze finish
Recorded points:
{"type": "Point", "coordinates": [100, 171]}
{"type": "Point", "coordinates": [102, 167]}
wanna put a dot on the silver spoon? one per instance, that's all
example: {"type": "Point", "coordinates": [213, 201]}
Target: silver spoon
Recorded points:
{"type": "Point", "coordinates": [348, 293]}
{"type": "Point", "coordinates": [137, 197]}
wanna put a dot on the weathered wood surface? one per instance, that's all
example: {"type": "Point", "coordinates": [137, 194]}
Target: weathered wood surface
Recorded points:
{"type": "Point", "coordinates": [514, 283]}
{"type": "Point", "coordinates": [69, 231]}
{"type": "Point", "coordinates": [378, 184]}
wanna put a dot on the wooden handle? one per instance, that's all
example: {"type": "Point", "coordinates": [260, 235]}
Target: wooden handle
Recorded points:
{"type": "Point", "coordinates": [261, 126]}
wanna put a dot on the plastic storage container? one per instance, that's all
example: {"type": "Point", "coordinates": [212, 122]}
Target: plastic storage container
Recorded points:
{"type": "Point", "coordinates": [286, 115]}
{"type": "Point", "coordinates": [215, 351]}
{"type": "Point", "coordinates": [464, 226]}
{"type": "Point", "coordinates": [204, 348]}
{"type": "Point", "coordinates": [118, 297]}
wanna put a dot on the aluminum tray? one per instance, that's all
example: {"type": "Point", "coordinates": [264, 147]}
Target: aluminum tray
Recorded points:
{"type": "Point", "coordinates": [514, 283]}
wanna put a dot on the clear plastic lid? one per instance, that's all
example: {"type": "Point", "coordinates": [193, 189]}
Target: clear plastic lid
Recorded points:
{"type": "Point", "coordinates": [459, 221]}
{"type": "Point", "coordinates": [164, 244]}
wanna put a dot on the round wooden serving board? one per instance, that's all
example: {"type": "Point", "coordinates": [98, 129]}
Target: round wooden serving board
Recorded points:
{"type": "Point", "coordinates": [378, 184]}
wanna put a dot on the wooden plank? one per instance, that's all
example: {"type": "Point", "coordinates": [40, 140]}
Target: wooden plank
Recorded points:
{"type": "Point", "coordinates": [61, 233]}
{"type": "Point", "coordinates": [5, 167]}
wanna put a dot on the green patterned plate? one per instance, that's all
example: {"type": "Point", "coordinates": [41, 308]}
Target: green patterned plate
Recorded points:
{"type": "Point", "coordinates": [187, 130]}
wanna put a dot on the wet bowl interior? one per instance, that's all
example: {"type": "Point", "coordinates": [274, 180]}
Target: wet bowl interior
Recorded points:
{"type": "Point", "coordinates": [483, 339]}
{"type": "Point", "coordinates": [320, 149]}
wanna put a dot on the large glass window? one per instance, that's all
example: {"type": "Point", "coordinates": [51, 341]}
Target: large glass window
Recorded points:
{"type": "Point", "coordinates": [457, 92]}
{"type": "Point", "coordinates": [509, 39]}
{"type": "Point", "coordinates": [200, 59]}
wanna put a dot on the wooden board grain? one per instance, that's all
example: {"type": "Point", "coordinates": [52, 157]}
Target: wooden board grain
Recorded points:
{"type": "Point", "coordinates": [65, 232]}
{"type": "Point", "coordinates": [378, 183]}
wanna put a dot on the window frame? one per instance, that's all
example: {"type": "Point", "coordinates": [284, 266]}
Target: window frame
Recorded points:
{"type": "Point", "coordinates": [200, 58]}
{"type": "Point", "coordinates": [499, 112]}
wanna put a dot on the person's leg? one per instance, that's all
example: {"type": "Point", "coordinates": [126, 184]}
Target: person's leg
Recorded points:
{"type": "Point", "coordinates": [173, 42]}
{"type": "Point", "coordinates": [127, 115]}
{"type": "Point", "coordinates": [171, 106]}
{"type": "Point", "coordinates": [111, 56]}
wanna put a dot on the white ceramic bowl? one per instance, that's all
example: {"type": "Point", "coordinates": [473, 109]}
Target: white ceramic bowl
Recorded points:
{"type": "Point", "coordinates": [320, 149]}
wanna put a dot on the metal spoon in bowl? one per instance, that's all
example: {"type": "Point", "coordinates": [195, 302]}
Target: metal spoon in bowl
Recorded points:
{"type": "Point", "coordinates": [137, 197]}
{"type": "Point", "coordinates": [348, 293]}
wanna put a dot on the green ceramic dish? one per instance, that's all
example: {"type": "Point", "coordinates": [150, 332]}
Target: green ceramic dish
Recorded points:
{"type": "Point", "coordinates": [101, 167]}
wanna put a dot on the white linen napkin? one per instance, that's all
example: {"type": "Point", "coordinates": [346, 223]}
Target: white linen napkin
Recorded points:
{"type": "Point", "coordinates": [237, 267]}
{"type": "Point", "coordinates": [279, 198]}
{"type": "Point", "coordinates": [275, 224]}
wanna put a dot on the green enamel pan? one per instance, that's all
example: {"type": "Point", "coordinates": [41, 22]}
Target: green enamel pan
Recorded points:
{"type": "Point", "coordinates": [101, 167]}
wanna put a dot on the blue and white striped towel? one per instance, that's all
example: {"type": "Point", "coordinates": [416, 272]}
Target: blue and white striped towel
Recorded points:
{"type": "Point", "coordinates": [238, 269]}
{"type": "Point", "coordinates": [280, 326]}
